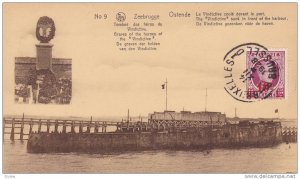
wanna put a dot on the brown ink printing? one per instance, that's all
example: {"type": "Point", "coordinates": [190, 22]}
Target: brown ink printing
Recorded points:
{"type": "Point", "coordinates": [148, 93]}
{"type": "Point", "coordinates": [43, 79]}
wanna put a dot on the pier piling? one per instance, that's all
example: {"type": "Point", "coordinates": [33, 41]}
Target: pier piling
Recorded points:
{"type": "Point", "coordinates": [56, 126]}
{"type": "Point", "coordinates": [22, 129]}
{"type": "Point", "coordinates": [88, 128]}
{"type": "Point", "coordinates": [96, 127]}
{"type": "Point", "coordinates": [80, 127]}
{"type": "Point", "coordinates": [12, 133]}
{"type": "Point", "coordinates": [64, 127]}
{"type": "Point", "coordinates": [3, 129]}
{"type": "Point", "coordinates": [40, 126]}
{"type": "Point", "coordinates": [48, 125]}
{"type": "Point", "coordinates": [30, 126]}
{"type": "Point", "coordinates": [72, 127]}
{"type": "Point", "coordinates": [104, 127]}
{"type": "Point", "coordinates": [289, 134]}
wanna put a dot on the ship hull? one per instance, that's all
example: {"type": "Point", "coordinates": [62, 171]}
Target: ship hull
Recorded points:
{"type": "Point", "coordinates": [227, 136]}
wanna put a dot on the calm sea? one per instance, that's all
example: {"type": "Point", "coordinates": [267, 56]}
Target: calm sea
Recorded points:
{"type": "Point", "coordinates": [278, 159]}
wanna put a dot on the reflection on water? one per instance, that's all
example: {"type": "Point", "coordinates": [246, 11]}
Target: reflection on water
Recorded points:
{"type": "Point", "coordinates": [278, 159]}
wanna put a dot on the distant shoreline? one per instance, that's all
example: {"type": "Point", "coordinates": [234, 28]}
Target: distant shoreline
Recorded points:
{"type": "Point", "coordinates": [132, 117]}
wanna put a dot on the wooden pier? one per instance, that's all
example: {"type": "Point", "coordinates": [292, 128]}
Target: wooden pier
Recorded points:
{"type": "Point", "coordinates": [21, 128]}
{"type": "Point", "coordinates": [289, 134]}
{"type": "Point", "coordinates": [17, 128]}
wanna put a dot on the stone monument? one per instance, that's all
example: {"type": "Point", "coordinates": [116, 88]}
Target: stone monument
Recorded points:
{"type": "Point", "coordinates": [46, 80]}
{"type": "Point", "coordinates": [45, 31]}
{"type": "Point", "coordinates": [43, 79]}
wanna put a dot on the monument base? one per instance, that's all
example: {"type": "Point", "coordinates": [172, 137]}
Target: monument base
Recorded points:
{"type": "Point", "coordinates": [44, 56]}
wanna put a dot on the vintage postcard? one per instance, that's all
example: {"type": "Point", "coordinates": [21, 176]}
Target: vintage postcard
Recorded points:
{"type": "Point", "coordinates": [150, 88]}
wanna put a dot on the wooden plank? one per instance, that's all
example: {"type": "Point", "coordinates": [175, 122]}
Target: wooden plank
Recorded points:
{"type": "Point", "coordinates": [64, 128]}
{"type": "Point", "coordinates": [9, 127]}
{"type": "Point", "coordinates": [67, 122]}
{"type": "Point", "coordinates": [80, 127]}
{"type": "Point", "coordinates": [12, 134]}
{"type": "Point", "coordinates": [56, 126]}
{"type": "Point", "coordinates": [40, 126]}
{"type": "Point", "coordinates": [14, 122]}
{"type": "Point", "coordinates": [30, 126]}
{"type": "Point", "coordinates": [73, 127]}
{"type": "Point", "coordinates": [3, 129]}
{"type": "Point", "coordinates": [22, 128]}
{"type": "Point", "coordinates": [19, 139]}
{"type": "Point", "coordinates": [48, 126]}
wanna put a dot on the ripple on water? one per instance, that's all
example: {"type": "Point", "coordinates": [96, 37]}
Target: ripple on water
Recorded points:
{"type": "Point", "coordinates": [278, 159]}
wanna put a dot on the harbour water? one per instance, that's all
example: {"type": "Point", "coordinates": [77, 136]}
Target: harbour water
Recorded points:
{"type": "Point", "coordinates": [281, 158]}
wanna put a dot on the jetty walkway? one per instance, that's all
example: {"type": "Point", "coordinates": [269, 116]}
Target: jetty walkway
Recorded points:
{"type": "Point", "coordinates": [21, 128]}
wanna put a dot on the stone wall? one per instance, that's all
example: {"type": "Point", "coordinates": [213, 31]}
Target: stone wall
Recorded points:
{"type": "Point", "coordinates": [24, 66]}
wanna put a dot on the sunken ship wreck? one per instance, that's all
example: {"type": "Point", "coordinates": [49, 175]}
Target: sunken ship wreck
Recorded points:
{"type": "Point", "coordinates": [164, 130]}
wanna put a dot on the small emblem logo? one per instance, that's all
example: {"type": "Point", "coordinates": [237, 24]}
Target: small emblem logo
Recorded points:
{"type": "Point", "coordinates": [120, 17]}
{"type": "Point", "coordinates": [45, 29]}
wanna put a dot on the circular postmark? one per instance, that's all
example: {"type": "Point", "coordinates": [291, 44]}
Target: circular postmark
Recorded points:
{"type": "Point", "coordinates": [253, 73]}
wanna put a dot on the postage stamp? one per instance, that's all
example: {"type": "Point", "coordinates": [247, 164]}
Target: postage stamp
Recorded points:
{"type": "Point", "coordinates": [266, 75]}
{"type": "Point", "coordinates": [252, 72]}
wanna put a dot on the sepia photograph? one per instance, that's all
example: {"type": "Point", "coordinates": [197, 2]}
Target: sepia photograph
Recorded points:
{"type": "Point", "coordinates": [43, 79]}
{"type": "Point", "coordinates": [150, 88]}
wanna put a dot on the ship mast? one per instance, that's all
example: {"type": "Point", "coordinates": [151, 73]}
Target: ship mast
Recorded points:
{"type": "Point", "coordinates": [128, 115]}
{"type": "Point", "coordinates": [235, 112]}
{"type": "Point", "coordinates": [166, 94]}
{"type": "Point", "coordinates": [165, 86]}
{"type": "Point", "coordinates": [205, 99]}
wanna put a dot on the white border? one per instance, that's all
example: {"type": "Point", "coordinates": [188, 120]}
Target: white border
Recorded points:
{"type": "Point", "coordinates": [138, 176]}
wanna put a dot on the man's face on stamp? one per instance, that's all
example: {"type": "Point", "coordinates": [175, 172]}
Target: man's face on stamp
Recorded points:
{"type": "Point", "coordinates": [267, 74]}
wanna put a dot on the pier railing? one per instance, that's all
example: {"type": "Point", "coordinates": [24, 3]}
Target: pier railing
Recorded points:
{"type": "Point", "coordinates": [17, 128]}
{"type": "Point", "coordinates": [21, 128]}
{"type": "Point", "coordinates": [289, 134]}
